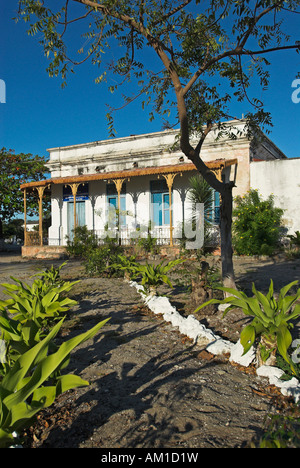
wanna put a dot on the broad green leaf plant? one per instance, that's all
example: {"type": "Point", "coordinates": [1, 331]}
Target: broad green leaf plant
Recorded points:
{"type": "Point", "coordinates": [154, 275]}
{"type": "Point", "coordinates": [23, 392]}
{"type": "Point", "coordinates": [30, 313]}
{"type": "Point", "coordinates": [126, 264]}
{"type": "Point", "coordinates": [271, 319]}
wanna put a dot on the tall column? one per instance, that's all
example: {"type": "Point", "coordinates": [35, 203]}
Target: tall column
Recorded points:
{"type": "Point", "coordinates": [40, 193]}
{"type": "Point", "coordinates": [119, 183]}
{"type": "Point", "coordinates": [25, 218]}
{"type": "Point", "coordinates": [74, 187]}
{"type": "Point", "coordinates": [170, 179]}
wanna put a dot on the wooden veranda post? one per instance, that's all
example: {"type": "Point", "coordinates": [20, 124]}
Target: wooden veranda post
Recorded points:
{"type": "Point", "coordinates": [119, 183]}
{"type": "Point", "coordinates": [170, 179]}
{"type": "Point", "coordinates": [25, 218]}
{"type": "Point", "coordinates": [74, 188]}
{"type": "Point", "coordinates": [40, 191]}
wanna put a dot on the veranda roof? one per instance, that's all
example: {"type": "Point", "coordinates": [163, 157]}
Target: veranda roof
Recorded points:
{"type": "Point", "coordinates": [128, 173]}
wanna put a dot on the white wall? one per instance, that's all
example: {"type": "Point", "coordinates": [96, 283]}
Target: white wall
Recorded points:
{"type": "Point", "coordinates": [281, 178]}
{"type": "Point", "coordinates": [138, 203]}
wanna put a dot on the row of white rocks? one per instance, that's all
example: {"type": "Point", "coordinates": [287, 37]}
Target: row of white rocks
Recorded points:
{"type": "Point", "coordinates": [192, 328]}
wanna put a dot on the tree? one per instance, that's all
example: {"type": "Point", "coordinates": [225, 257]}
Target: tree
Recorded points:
{"type": "Point", "coordinates": [16, 169]}
{"type": "Point", "coordinates": [197, 45]}
{"type": "Point", "coordinates": [13, 228]}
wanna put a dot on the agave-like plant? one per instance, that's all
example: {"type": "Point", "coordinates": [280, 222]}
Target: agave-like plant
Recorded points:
{"type": "Point", "coordinates": [126, 264]}
{"type": "Point", "coordinates": [26, 388]}
{"type": "Point", "coordinates": [271, 322]}
{"type": "Point", "coordinates": [295, 239]}
{"type": "Point", "coordinates": [155, 275]}
{"type": "Point", "coordinates": [29, 314]}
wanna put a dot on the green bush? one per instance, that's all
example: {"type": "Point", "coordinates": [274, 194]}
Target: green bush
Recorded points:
{"type": "Point", "coordinates": [31, 311]}
{"type": "Point", "coordinates": [295, 239]}
{"type": "Point", "coordinates": [100, 260]}
{"type": "Point", "coordinates": [256, 225]}
{"type": "Point", "coordinates": [29, 385]}
{"type": "Point", "coordinates": [82, 243]}
{"type": "Point", "coordinates": [153, 276]}
{"type": "Point", "coordinates": [126, 265]}
{"type": "Point", "coordinates": [148, 244]}
{"type": "Point", "coordinates": [31, 367]}
{"type": "Point", "coordinates": [272, 320]}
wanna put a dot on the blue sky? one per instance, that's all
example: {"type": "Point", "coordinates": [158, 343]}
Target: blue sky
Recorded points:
{"type": "Point", "coordinates": [39, 114]}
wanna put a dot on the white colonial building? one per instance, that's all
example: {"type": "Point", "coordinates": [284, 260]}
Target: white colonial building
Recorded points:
{"type": "Point", "coordinates": [139, 175]}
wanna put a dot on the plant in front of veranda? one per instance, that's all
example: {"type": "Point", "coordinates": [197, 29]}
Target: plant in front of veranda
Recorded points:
{"type": "Point", "coordinates": [81, 242]}
{"type": "Point", "coordinates": [153, 276]}
{"type": "Point", "coordinates": [148, 244]}
{"type": "Point", "coordinates": [256, 225]}
{"type": "Point", "coordinates": [271, 322]}
{"type": "Point", "coordinates": [51, 276]}
{"type": "Point", "coordinates": [34, 303]}
{"type": "Point", "coordinates": [128, 265]}
{"type": "Point", "coordinates": [32, 383]}
{"type": "Point", "coordinates": [100, 260]}
{"type": "Point", "coordinates": [29, 314]}
{"type": "Point", "coordinates": [295, 239]}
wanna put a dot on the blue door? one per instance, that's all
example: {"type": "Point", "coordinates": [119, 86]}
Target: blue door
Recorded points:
{"type": "Point", "coordinates": [160, 208]}
{"type": "Point", "coordinates": [113, 203]}
{"type": "Point", "coordinates": [80, 216]}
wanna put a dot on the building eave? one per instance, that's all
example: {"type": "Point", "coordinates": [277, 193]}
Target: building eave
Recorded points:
{"type": "Point", "coordinates": [128, 173]}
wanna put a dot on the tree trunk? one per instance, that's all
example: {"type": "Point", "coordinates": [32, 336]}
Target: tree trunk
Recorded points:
{"type": "Point", "coordinates": [225, 190]}
{"type": "Point", "coordinates": [226, 238]}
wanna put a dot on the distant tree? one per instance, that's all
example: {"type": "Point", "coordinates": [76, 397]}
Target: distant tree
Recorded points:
{"type": "Point", "coordinates": [13, 228]}
{"type": "Point", "coordinates": [205, 55]}
{"type": "Point", "coordinates": [16, 169]}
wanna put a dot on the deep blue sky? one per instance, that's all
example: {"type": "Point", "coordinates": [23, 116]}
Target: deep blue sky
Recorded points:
{"type": "Point", "coordinates": [38, 114]}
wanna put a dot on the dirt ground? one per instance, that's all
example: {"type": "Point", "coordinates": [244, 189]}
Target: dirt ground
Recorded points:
{"type": "Point", "coordinates": [150, 387]}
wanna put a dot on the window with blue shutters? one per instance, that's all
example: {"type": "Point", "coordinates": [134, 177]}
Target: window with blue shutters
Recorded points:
{"type": "Point", "coordinates": [112, 201]}
{"type": "Point", "coordinates": [216, 213]}
{"type": "Point", "coordinates": [160, 203]}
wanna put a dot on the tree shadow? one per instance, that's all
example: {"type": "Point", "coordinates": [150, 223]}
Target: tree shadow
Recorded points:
{"type": "Point", "coordinates": [281, 272]}
{"type": "Point", "coordinates": [132, 394]}
{"type": "Point", "coordinates": [132, 388]}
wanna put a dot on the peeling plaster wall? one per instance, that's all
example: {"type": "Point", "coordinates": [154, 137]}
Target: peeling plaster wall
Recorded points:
{"type": "Point", "coordinates": [280, 177]}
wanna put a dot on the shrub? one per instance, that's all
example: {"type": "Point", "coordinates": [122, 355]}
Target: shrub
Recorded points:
{"type": "Point", "coordinates": [100, 260]}
{"type": "Point", "coordinates": [153, 276]}
{"type": "Point", "coordinates": [271, 320]}
{"type": "Point", "coordinates": [31, 312]}
{"type": "Point", "coordinates": [148, 244]}
{"type": "Point", "coordinates": [128, 265]}
{"type": "Point", "coordinates": [23, 392]}
{"type": "Point", "coordinates": [31, 374]}
{"type": "Point", "coordinates": [295, 239]}
{"type": "Point", "coordinates": [256, 225]}
{"type": "Point", "coordinates": [82, 243]}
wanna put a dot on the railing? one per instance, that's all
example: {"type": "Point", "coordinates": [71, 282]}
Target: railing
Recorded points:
{"type": "Point", "coordinates": [127, 236]}
{"type": "Point", "coordinates": [32, 238]}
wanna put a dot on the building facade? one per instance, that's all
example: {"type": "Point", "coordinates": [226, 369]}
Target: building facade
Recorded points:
{"type": "Point", "coordinates": [123, 186]}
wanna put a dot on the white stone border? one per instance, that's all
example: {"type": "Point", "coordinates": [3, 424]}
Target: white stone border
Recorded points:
{"type": "Point", "coordinates": [192, 328]}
